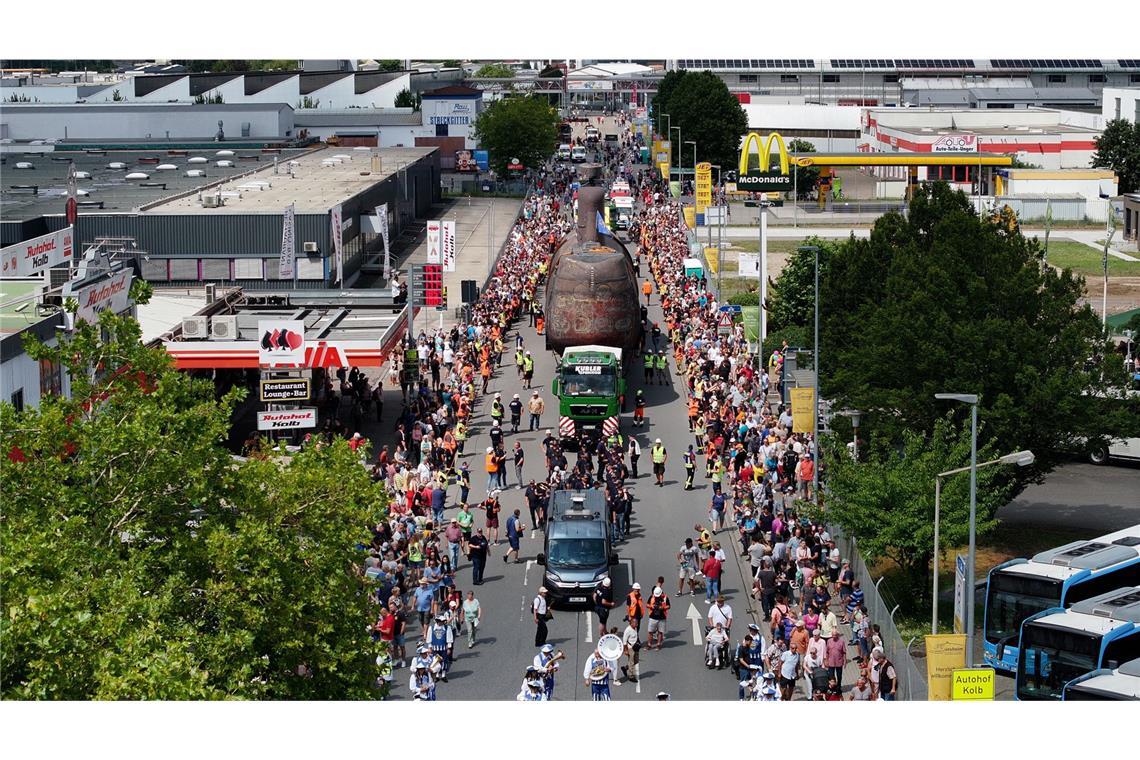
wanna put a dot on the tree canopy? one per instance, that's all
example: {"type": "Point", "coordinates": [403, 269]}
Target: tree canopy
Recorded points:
{"type": "Point", "coordinates": [944, 301]}
{"type": "Point", "coordinates": [495, 71]}
{"type": "Point", "coordinates": [1118, 148]}
{"type": "Point", "coordinates": [525, 128]}
{"type": "Point", "coordinates": [551, 72]}
{"type": "Point", "coordinates": [142, 561]}
{"type": "Point", "coordinates": [405, 98]}
{"type": "Point", "coordinates": [701, 105]}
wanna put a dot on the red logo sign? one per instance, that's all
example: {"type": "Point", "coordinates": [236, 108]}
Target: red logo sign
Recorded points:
{"type": "Point", "coordinates": [281, 340]}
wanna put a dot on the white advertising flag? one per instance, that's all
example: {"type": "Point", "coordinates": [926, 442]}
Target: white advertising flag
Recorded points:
{"type": "Point", "coordinates": [285, 266]}
{"type": "Point", "coordinates": [433, 235]}
{"type": "Point", "coordinates": [448, 246]}
{"type": "Point", "coordinates": [763, 274]}
{"type": "Point", "coordinates": [382, 216]}
{"type": "Point", "coordinates": [335, 227]}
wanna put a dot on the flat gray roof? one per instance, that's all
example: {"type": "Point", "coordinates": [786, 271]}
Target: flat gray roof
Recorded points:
{"type": "Point", "coordinates": [110, 186]}
{"type": "Point", "coordinates": [318, 183]}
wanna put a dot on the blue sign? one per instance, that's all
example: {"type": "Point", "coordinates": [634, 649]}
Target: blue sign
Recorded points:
{"type": "Point", "coordinates": [733, 308]}
{"type": "Point", "coordinates": [481, 160]}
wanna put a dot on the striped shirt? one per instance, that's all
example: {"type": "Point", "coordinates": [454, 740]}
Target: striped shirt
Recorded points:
{"type": "Point", "coordinates": [855, 599]}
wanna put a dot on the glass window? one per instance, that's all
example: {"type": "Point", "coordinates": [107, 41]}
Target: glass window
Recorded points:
{"type": "Point", "coordinates": [1050, 658]}
{"type": "Point", "coordinates": [831, 78]}
{"type": "Point", "coordinates": [1013, 598]}
{"type": "Point", "coordinates": [576, 552]}
{"type": "Point", "coordinates": [1056, 79]}
{"type": "Point", "coordinates": [581, 384]}
{"type": "Point", "coordinates": [18, 400]}
{"type": "Point", "coordinates": [789, 78]}
{"type": "Point", "coordinates": [51, 378]}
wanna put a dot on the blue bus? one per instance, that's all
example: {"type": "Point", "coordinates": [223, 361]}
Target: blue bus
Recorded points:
{"type": "Point", "coordinates": [1059, 577]}
{"type": "Point", "coordinates": [1059, 645]}
{"type": "Point", "coordinates": [1122, 684]}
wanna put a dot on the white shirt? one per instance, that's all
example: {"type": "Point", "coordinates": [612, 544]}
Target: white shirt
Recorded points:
{"type": "Point", "coordinates": [718, 614]}
{"type": "Point", "coordinates": [629, 636]}
{"type": "Point", "coordinates": [539, 605]}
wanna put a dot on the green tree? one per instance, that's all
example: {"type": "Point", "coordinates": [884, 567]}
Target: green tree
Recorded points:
{"type": "Point", "coordinates": [390, 64]}
{"type": "Point", "coordinates": [660, 104]}
{"type": "Point", "coordinates": [943, 300]}
{"type": "Point", "coordinates": [1118, 148]}
{"type": "Point", "coordinates": [805, 177]}
{"type": "Point", "coordinates": [708, 113]}
{"type": "Point", "coordinates": [451, 63]}
{"type": "Point", "coordinates": [495, 71]}
{"type": "Point", "coordinates": [525, 128]}
{"type": "Point", "coordinates": [142, 562]}
{"type": "Point", "coordinates": [791, 297]}
{"type": "Point", "coordinates": [405, 98]}
{"type": "Point", "coordinates": [887, 498]}
{"type": "Point", "coordinates": [552, 72]}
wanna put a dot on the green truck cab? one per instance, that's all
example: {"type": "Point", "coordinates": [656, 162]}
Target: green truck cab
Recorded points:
{"type": "Point", "coordinates": [590, 386]}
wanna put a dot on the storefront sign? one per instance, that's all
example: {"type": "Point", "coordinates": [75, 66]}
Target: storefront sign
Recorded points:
{"type": "Point", "coordinates": [113, 293]}
{"type": "Point", "coordinates": [294, 419]}
{"type": "Point", "coordinates": [285, 390]}
{"type": "Point", "coordinates": [281, 342]}
{"type": "Point", "coordinates": [34, 256]}
{"type": "Point", "coordinates": [954, 144]}
{"type": "Point", "coordinates": [973, 684]}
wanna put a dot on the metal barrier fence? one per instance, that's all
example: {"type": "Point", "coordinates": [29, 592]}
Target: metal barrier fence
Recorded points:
{"type": "Point", "coordinates": [912, 681]}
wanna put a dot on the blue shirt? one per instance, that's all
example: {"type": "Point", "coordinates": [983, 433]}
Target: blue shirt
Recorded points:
{"type": "Point", "coordinates": [424, 597]}
{"type": "Point", "coordinates": [438, 497]}
{"type": "Point", "coordinates": [718, 502]}
{"type": "Point", "coordinates": [512, 527]}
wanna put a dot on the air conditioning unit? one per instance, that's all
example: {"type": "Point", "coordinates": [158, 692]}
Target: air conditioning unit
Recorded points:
{"type": "Point", "coordinates": [311, 248]}
{"type": "Point", "coordinates": [211, 293]}
{"type": "Point", "coordinates": [224, 328]}
{"type": "Point", "coordinates": [211, 201]}
{"type": "Point", "coordinates": [194, 328]}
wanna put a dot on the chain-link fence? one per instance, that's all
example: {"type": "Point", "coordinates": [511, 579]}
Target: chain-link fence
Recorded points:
{"type": "Point", "coordinates": [912, 682]}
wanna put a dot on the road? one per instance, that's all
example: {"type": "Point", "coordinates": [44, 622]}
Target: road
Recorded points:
{"type": "Point", "coordinates": [1097, 499]}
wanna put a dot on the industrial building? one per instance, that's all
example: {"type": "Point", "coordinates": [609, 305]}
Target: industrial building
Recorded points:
{"type": "Point", "coordinates": [1121, 103]}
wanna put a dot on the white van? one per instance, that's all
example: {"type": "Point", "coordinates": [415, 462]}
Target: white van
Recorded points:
{"type": "Point", "coordinates": [564, 152]}
{"type": "Point", "coordinates": [578, 154]}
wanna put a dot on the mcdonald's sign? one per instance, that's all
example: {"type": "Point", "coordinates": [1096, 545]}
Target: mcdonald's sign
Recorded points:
{"type": "Point", "coordinates": [762, 180]}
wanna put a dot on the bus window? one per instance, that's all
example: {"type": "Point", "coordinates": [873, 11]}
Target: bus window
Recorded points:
{"type": "Point", "coordinates": [1012, 599]}
{"type": "Point", "coordinates": [1121, 650]}
{"type": "Point", "coordinates": [1050, 658]}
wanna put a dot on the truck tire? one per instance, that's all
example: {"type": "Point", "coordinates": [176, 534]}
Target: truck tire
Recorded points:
{"type": "Point", "coordinates": [1099, 455]}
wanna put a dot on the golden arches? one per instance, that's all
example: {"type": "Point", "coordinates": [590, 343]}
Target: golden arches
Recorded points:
{"type": "Point", "coordinates": [764, 147]}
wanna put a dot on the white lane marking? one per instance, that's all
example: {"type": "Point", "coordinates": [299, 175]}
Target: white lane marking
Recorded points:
{"type": "Point", "coordinates": [532, 534]}
{"type": "Point", "coordinates": [526, 572]}
{"type": "Point", "coordinates": [629, 569]}
{"type": "Point", "coordinates": [695, 616]}
{"type": "Point", "coordinates": [589, 627]}
{"type": "Point", "coordinates": [637, 674]}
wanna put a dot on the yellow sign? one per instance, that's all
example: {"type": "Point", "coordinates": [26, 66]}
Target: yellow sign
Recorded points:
{"type": "Point", "coordinates": [973, 684]}
{"type": "Point", "coordinates": [690, 216]}
{"type": "Point", "coordinates": [945, 653]}
{"type": "Point", "coordinates": [711, 259]}
{"type": "Point", "coordinates": [663, 167]}
{"type": "Point", "coordinates": [704, 186]}
{"type": "Point", "coordinates": [764, 147]}
{"type": "Point", "coordinates": [803, 399]}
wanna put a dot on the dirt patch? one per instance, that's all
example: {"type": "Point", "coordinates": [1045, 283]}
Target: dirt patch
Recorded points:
{"type": "Point", "coordinates": [1123, 293]}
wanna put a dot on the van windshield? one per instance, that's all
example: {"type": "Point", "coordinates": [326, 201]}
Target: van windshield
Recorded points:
{"type": "Point", "coordinates": [576, 552]}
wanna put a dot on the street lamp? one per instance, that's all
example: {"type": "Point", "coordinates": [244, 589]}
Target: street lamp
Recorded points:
{"type": "Point", "coordinates": [678, 149]}
{"type": "Point", "coordinates": [1019, 458]}
{"type": "Point", "coordinates": [854, 415]}
{"type": "Point", "coordinates": [694, 144]}
{"type": "Point", "coordinates": [815, 359]}
{"type": "Point", "coordinates": [972, 400]}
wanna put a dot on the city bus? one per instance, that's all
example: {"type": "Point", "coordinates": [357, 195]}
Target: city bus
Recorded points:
{"type": "Point", "coordinates": [1059, 645]}
{"type": "Point", "coordinates": [1122, 684]}
{"type": "Point", "coordinates": [1056, 578]}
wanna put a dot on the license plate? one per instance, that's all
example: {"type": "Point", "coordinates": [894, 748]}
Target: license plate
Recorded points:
{"type": "Point", "coordinates": [577, 599]}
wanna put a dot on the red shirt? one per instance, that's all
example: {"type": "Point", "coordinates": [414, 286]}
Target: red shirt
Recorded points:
{"type": "Point", "coordinates": [387, 627]}
{"type": "Point", "coordinates": [712, 568]}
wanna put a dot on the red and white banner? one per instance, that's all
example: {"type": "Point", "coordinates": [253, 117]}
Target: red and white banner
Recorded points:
{"type": "Point", "coordinates": [336, 228]}
{"type": "Point", "coordinates": [281, 342]}
{"type": "Point", "coordinates": [113, 293]}
{"type": "Point", "coordinates": [294, 419]}
{"type": "Point", "coordinates": [382, 217]}
{"type": "Point", "coordinates": [33, 256]}
{"type": "Point", "coordinates": [447, 245]}
{"type": "Point", "coordinates": [240, 354]}
{"type": "Point", "coordinates": [434, 232]}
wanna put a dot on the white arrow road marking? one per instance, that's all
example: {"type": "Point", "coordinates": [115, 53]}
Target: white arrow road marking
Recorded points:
{"type": "Point", "coordinates": [526, 572]}
{"type": "Point", "coordinates": [695, 616]}
{"type": "Point", "coordinates": [589, 628]}
{"type": "Point", "coordinates": [637, 674]}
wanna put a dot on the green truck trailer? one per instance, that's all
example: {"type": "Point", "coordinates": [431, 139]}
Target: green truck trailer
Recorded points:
{"type": "Point", "coordinates": [590, 386]}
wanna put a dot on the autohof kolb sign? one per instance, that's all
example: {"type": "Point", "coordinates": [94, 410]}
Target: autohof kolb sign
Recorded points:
{"type": "Point", "coordinates": [293, 419]}
{"type": "Point", "coordinates": [291, 389]}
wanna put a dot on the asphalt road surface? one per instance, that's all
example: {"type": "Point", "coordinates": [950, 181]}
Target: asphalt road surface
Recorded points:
{"type": "Point", "coordinates": [1100, 499]}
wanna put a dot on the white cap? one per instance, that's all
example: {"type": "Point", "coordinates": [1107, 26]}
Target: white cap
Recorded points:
{"type": "Point", "coordinates": [516, 395]}
{"type": "Point", "coordinates": [490, 449]}
{"type": "Point", "coordinates": [658, 441]}
{"type": "Point", "coordinates": [637, 587]}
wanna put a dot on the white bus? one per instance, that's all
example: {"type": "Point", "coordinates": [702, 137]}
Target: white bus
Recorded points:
{"type": "Point", "coordinates": [1122, 684]}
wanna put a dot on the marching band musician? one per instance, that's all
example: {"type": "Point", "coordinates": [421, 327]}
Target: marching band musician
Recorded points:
{"type": "Point", "coordinates": [546, 662]}
{"type": "Point", "coordinates": [597, 675]}
{"type": "Point", "coordinates": [422, 683]}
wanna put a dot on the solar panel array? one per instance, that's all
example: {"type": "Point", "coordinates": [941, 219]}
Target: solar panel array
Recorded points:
{"type": "Point", "coordinates": [1041, 63]}
{"type": "Point", "coordinates": [770, 63]}
{"type": "Point", "coordinates": [928, 63]}
{"type": "Point", "coordinates": [1129, 63]}
{"type": "Point", "coordinates": [862, 63]}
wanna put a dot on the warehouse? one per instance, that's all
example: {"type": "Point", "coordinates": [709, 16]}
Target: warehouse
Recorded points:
{"type": "Point", "coordinates": [126, 122]}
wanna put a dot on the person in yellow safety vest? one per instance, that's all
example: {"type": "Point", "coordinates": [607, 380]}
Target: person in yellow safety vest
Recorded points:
{"type": "Point", "coordinates": [660, 456]}
{"type": "Point", "coordinates": [519, 361]}
{"type": "Point", "coordinates": [662, 367]}
{"type": "Point", "coordinates": [648, 366]}
{"type": "Point", "coordinates": [528, 368]}
{"type": "Point", "coordinates": [717, 474]}
{"type": "Point", "coordinates": [498, 352]}
{"type": "Point", "coordinates": [704, 541]}
{"type": "Point", "coordinates": [460, 435]}
{"type": "Point", "coordinates": [497, 409]}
